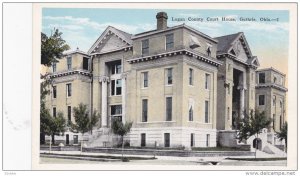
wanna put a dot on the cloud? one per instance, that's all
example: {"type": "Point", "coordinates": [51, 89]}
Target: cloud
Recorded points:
{"type": "Point", "coordinates": [70, 22]}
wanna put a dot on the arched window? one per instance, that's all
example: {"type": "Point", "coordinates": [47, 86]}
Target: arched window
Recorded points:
{"type": "Point", "coordinates": [191, 118]}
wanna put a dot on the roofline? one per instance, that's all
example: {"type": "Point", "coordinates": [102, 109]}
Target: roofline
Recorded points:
{"type": "Point", "coordinates": [271, 68]}
{"type": "Point", "coordinates": [175, 52]}
{"type": "Point", "coordinates": [173, 28]}
{"type": "Point", "coordinates": [271, 85]}
{"type": "Point", "coordinates": [103, 34]}
{"type": "Point", "coordinates": [76, 52]}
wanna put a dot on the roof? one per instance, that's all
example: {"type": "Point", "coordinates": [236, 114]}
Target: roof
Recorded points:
{"type": "Point", "coordinates": [270, 69]}
{"type": "Point", "coordinates": [75, 52]}
{"type": "Point", "coordinates": [152, 32]}
{"type": "Point", "coordinates": [226, 41]}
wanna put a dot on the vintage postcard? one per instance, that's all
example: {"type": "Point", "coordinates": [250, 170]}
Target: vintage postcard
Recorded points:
{"type": "Point", "coordinates": [165, 86]}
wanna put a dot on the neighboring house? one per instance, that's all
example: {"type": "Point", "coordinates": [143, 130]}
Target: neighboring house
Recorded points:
{"type": "Point", "coordinates": [179, 87]}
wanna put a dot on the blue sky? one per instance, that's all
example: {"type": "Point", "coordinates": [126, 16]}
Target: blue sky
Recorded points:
{"type": "Point", "coordinates": [82, 26]}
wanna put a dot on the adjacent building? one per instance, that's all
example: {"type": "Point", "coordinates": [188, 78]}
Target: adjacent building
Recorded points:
{"type": "Point", "coordinates": [179, 87]}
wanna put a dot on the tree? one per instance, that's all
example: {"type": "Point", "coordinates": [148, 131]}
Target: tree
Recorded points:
{"type": "Point", "coordinates": [121, 129]}
{"type": "Point", "coordinates": [252, 124]}
{"type": "Point", "coordinates": [282, 134]}
{"type": "Point", "coordinates": [83, 123]}
{"type": "Point", "coordinates": [45, 116]}
{"type": "Point", "coordinates": [57, 126]}
{"type": "Point", "coordinates": [52, 47]}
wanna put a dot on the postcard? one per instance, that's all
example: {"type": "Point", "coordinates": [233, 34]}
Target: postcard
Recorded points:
{"type": "Point", "coordinates": [165, 86]}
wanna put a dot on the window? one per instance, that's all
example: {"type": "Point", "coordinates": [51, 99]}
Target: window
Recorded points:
{"type": "Point", "coordinates": [116, 68]}
{"type": "Point", "coordinates": [143, 140]}
{"type": "Point", "coordinates": [169, 76]}
{"type": "Point", "coordinates": [261, 78]}
{"type": "Point", "coordinates": [54, 91]}
{"type": "Point", "coordinates": [145, 47]}
{"type": "Point", "coordinates": [75, 139]}
{"type": "Point", "coordinates": [144, 110]}
{"type": "Point", "coordinates": [280, 103]}
{"type": "Point", "coordinates": [54, 112]}
{"type": "Point", "coordinates": [69, 62]}
{"type": "Point", "coordinates": [192, 139]}
{"type": "Point", "coordinates": [69, 114]}
{"type": "Point", "coordinates": [116, 87]}
{"type": "Point", "coordinates": [167, 139]}
{"type": "Point", "coordinates": [54, 67]}
{"type": "Point", "coordinates": [207, 81]}
{"type": "Point", "coordinates": [169, 109]}
{"type": "Point", "coordinates": [261, 100]}
{"type": "Point", "coordinates": [169, 41]}
{"type": "Point", "coordinates": [206, 112]}
{"type": "Point", "coordinates": [116, 112]}
{"type": "Point", "coordinates": [191, 72]}
{"type": "Point", "coordinates": [145, 79]}
{"type": "Point", "coordinates": [274, 100]}
{"type": "Point", "coordinates": [69, 89]}
{"type": "Point", "coordinates": [85, 64]}
{"type": "Point", "coordinates": [207, 140]}
{"type": "Point", "coordinates": [191, 114]}
{"type": "Point", "coordinates": [275, 79]}
{"type": "Point", "coordinates": [208, 51]}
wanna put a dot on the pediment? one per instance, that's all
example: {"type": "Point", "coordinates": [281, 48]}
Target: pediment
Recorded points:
{"type": "Point", "coordinates": [111, 42]}
{"type": "Point", "coordinates": [111, 39]}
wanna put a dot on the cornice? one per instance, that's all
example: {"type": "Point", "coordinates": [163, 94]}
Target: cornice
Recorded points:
{"type": "Point", "coordinates": [271, 85]}
{"type": "Point", "coordinates": [187, 52]}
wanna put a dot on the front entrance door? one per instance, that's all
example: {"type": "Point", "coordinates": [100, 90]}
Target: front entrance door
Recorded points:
{"type": "Point", "coordinates": [67, 139]}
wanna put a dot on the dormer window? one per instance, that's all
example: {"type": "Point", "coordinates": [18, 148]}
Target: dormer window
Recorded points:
{"type": "Point", "coordinates": [261, 78]}
{"type": "Point", "coordinates": [169, 41]}
{"type": "Point", "coordinates": [85, 63]}
{"type": "Point", "coordinates": [145, 47]}
{"type": "Point", "coordinates": [69, 62]}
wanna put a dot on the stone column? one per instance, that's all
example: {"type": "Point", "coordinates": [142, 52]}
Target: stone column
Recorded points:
{"type": "Point", "coordinates": [242, 88]}
{"type": "Point", "coordinates": [104, 80]}
{"type": "Point", "coordinates": [123, 77]}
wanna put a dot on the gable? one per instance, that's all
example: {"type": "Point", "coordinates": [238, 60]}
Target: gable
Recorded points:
{"type": "Point", "coordinates": [239, 51]}
{"type": "Point", "coordinates": [111, 42]}
{"type": "Point", "coordinates": [111, 39]}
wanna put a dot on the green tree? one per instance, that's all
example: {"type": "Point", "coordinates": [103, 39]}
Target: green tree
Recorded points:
{"type": "Point", "coordinates": [45, 117]}
{"type": "Point", "coordinates": [52, 47]}
{"type": "Point", "coordinates": [57, 126]}
{"type": "Point", "coordinates": [121, 129]}
{"type": "Point", "coordinates": [282, 134]}
{"type": "Point", "coordinates": [253, 124]}
{"type": "Point", "coordinates": [83, 123]}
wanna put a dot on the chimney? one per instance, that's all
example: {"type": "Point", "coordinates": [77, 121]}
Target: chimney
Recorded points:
{"type": "Point", "coordinates": [162, 19]}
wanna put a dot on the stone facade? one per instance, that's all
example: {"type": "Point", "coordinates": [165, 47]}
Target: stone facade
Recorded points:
{"type": "Point", "coordinates": [271, 96]}
{"type": "Point", "coordinates": [177, 85]}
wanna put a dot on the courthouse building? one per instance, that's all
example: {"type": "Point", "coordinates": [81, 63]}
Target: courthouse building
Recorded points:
{"type": "Point", "coordinates": [179, 87]}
